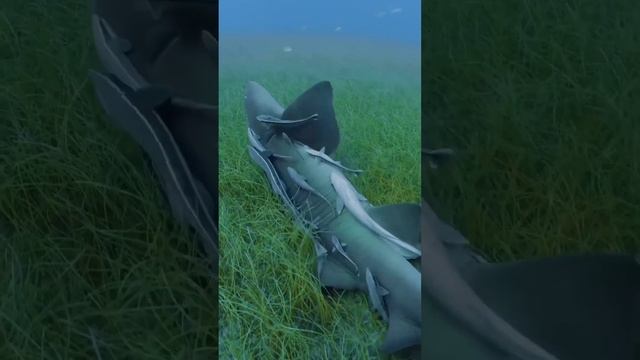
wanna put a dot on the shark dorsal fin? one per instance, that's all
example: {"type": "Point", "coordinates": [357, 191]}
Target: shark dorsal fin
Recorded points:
{"type": "Point", "coordinates": [321, 133]}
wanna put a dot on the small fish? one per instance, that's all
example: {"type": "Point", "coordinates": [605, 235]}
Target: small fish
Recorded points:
{"type": "Point", "coordinates": [374, 294]}
{"type": "Point", "coordinates": [268, 119]}
{"type": "Point", "coordinates": [322, 155]}
{"type": "Point", "coordinates": [349, 197]}
{"type": "Point", "coordinates": [337, 246]}
{"type": "Point", "coordinates": [303, 184]}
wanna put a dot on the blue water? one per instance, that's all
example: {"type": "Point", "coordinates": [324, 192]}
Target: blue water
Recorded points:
{"type": "Point", "coordinates": [397, 21]}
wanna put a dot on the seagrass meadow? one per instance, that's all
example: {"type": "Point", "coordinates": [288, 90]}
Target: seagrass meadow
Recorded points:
{"type": "Point", "coordinates": [540, 100]}
{"type": "Point", "coordinates": [271, 303]}
{"type": "Point", "coordinates": [92, 264]}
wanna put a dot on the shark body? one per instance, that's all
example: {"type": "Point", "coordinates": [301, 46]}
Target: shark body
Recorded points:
{"type": "Point", "coordinates": [358, 246]}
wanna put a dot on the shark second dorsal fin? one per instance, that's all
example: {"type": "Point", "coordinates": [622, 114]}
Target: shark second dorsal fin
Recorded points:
{"type": "Point", "coordinates": [323, 131]}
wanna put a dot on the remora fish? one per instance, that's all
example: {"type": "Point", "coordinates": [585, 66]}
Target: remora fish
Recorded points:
{"type": "Point", "coordinates": [362, 247]}
{"type": "Point", "coordinates": [347, 197]}
{"type": "Point", "coordinates": [322, 155]}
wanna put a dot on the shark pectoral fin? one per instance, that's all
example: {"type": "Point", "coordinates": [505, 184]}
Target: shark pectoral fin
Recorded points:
{"type": "Point", "coordinates": [401, 334]}
{"type": "Point", "coordinates": [335, 275]}
{"type": "Point", "coordinates": [323, 131]}
{"type": "Point", "coordinates": [402, 220]}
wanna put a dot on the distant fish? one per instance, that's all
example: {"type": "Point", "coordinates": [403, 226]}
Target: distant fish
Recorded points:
{"type": "Point", "coordinates": [338, 28]}
{"type": "Point", "coordinates": [396, 11]}
{"type": "Point", "coordinates": [287, 49]}
{"type": "Point", "coordinates": [304, 27]}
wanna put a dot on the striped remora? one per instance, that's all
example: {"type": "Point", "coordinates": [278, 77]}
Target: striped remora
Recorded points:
{"type": "Point", "coordinates": [350, 199]}
{"type": "Point", "coordinates": [322, 155]}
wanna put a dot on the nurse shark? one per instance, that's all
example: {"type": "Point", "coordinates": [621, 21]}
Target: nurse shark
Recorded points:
{"type": "Point", "coordinates": [359, 246]}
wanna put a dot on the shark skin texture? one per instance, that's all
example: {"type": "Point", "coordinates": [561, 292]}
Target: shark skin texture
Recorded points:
{"type": "Point", "coordinates": [358, 246]}
{"type": "Point", "coordinates": [565, 307]}
{"type": "Point", "coordinates": [160, 86]}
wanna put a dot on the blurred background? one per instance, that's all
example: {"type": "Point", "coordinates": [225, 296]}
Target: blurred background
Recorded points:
{"type": "Point", "coordinates": [369, 40]}
{"type": "Point", "coordinates": [397, 21]}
